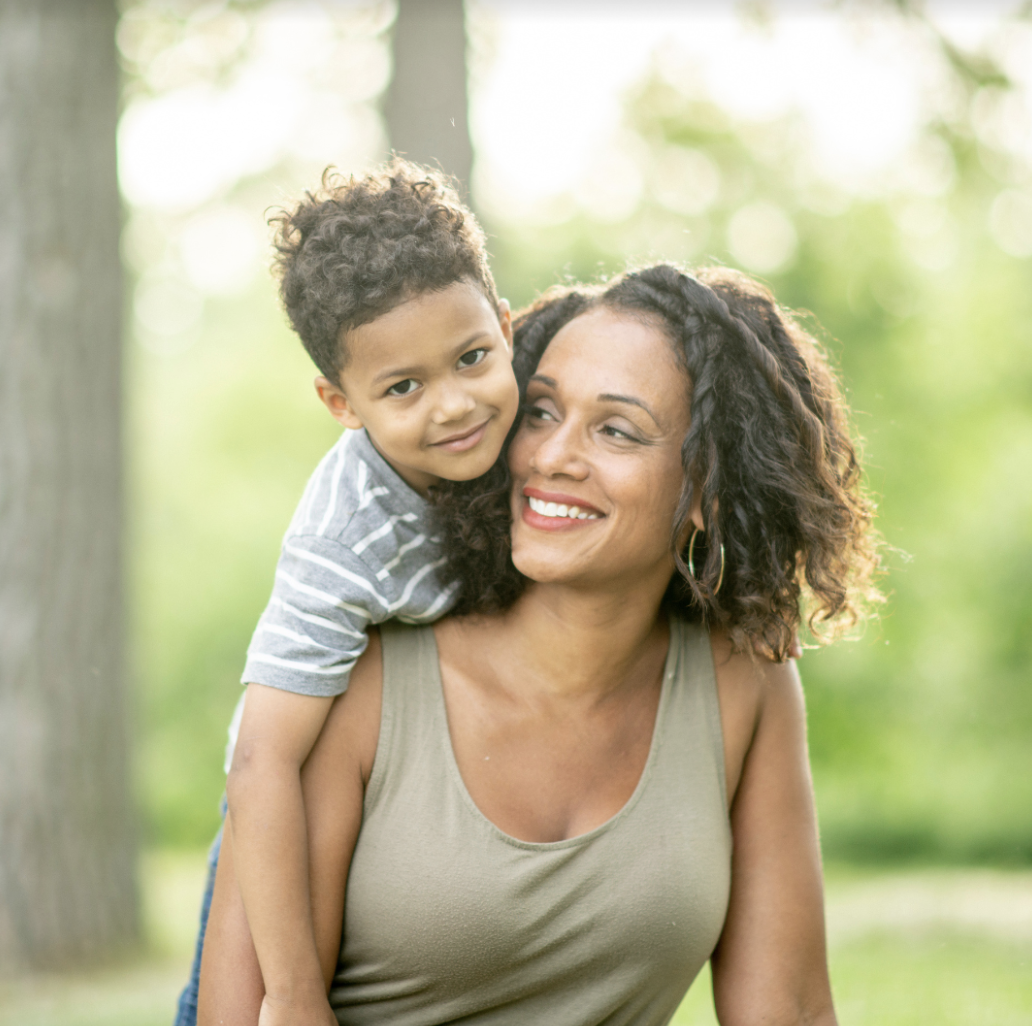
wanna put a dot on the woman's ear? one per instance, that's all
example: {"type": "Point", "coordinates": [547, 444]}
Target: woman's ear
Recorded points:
{"type": "Point", "coordinates": [505, 321]}
{"type": "Point", "coordinates": [694, 520]}
{"type": "Point", "coordinates": [696, 511]}
{"type": "Point", "coordinates": [334, 399]}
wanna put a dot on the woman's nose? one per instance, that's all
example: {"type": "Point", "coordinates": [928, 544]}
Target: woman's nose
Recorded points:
{"type": "Point", "coordinates": [452, 402]}
{"type": "Point", "coordinates": [560, 454]}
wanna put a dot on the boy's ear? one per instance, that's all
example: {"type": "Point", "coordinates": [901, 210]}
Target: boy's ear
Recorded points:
{"type": "Point", "coordinates": [337, 403]}
{"type": "Point", "coordinates": [505, 320]}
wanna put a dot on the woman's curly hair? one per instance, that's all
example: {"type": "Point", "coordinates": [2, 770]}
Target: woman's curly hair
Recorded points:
{"type": "Point", "coordinates": [360, 246]}
{"type": "Point", "coordinates": [768, 451]}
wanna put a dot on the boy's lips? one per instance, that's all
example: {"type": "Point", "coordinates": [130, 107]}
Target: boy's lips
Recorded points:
{"type": "Point", "coordinates": [463, 440]}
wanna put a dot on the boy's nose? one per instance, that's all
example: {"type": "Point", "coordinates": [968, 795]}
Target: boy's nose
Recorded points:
{"type": "Point", "coordinates": [452, 404]}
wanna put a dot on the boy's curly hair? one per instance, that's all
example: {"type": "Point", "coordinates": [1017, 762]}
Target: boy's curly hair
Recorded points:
{"type": "Point", "coordinates": [768, 447]}
{"type": "Point", "coordinates": [360, 246]}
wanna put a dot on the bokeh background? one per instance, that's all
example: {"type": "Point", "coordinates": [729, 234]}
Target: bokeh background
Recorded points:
{"type": "Point", "coordinates": [871, 161]}
{"type": "Point", "coordinates": [872, 165]}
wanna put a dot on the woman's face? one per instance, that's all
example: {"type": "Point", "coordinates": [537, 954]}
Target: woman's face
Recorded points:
{"type": "Point", "coordinates": [596, 462]}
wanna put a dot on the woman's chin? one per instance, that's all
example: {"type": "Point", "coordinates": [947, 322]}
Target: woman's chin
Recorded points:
{"type": "Point", "coordinates": [537, 570]}
{"type": "Point", "coordinates": [543, 567]}
{"type": "Point", "coordinates": [565, 555]}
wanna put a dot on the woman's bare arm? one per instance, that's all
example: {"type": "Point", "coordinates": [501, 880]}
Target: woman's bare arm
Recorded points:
{"type": "Point", "coordinates": [333, 784]}
{"type": "Point", "coordinates": [771, 963]}
{"type": "Point", "coordinates": [231, 988]}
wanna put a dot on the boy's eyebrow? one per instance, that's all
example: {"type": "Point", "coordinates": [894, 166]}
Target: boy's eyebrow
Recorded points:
{"type": "Point", "coordinates": [394, 372]}
{"type": "Point", "coordinates": [605, 397]}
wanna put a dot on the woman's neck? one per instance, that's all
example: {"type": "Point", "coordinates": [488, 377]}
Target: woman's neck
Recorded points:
{"type": "Point", "coordinates": [571, 643]}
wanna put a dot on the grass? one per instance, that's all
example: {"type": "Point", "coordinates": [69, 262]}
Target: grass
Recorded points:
{"type": "Point", "coordinates": [138, 991]}
{"type": "Point", "coordinates": [942, 947]}
{"type": "Point", "coordinates": [938, 979]}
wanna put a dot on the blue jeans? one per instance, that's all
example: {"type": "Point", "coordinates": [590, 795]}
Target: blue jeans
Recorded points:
{"type": "Point", "coordinates": [186, 1013]}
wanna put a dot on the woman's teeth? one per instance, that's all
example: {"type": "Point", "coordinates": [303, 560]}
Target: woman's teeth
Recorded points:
{"type": "Point", "coordinates": [552, 509]}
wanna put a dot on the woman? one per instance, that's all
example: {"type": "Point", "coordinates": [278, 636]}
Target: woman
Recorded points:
{"type": "Point", "coordinates": [558, 803]}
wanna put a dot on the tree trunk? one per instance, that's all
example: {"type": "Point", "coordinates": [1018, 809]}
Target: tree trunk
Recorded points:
{"type": "Point", "coordinates": [426, 106]}
{"type": "Point", "coordinates": [67, 867]}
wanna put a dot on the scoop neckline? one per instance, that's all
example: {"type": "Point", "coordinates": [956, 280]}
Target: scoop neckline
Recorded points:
{"type": "Point", "coordinates": [568, 842]}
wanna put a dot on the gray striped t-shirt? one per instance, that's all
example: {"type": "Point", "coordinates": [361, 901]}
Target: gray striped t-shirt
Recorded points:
{"type": "Point", "coordinates": [357, 552]}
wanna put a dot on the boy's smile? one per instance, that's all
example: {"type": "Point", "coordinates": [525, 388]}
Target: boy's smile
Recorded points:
{"type": "Point", "coordinates": [463, 440]}
{"type": "Point", "coordinates": [432, 383]}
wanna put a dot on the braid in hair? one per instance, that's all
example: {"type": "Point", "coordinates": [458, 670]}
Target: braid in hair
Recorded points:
{"type": "Point", "coordinates": [474, 518]}
{"type": "Point", "coordinates": [769, 449]}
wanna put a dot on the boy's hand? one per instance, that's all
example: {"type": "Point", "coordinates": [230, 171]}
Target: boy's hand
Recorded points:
{"type": "Point", "coordinates": [313, 1012]}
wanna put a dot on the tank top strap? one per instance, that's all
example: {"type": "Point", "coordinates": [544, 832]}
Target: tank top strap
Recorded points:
{"type": "Point", "coordinates": [693, 697]}
{"type": "Point", "coordinates": [410, 702]}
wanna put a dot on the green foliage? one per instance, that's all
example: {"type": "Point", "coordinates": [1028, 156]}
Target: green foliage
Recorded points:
{"type": "Point", "coordinates": [224, 436]}
{"type": "Point", "coordinates": [918, 730]}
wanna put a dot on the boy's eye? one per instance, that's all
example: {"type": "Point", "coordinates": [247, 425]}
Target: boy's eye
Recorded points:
{"type": "Point", "coordinates": [472, 358]}
{"type": "Point", "coordinates": [403, 387]}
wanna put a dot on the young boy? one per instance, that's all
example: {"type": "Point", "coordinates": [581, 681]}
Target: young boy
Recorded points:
{"type": "Point", "coordinates": [386, 281]}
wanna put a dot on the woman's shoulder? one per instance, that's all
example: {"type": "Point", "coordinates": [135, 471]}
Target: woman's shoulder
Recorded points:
{"type": "Point", "coordinates": [749, 671]}
{"type": "Point", "coordinates": [752, 690]}
{"type": "Point", "coordinates": [359, 707]}
{"type": "Point", "coordinates": [748, 676]}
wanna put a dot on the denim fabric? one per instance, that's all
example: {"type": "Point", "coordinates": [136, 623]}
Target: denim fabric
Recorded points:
{"type": "Point", "coordinates": [186, 1013]}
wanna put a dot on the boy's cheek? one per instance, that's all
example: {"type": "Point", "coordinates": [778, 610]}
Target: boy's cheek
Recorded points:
{"type": "Point", "coordinates": [511, 405]}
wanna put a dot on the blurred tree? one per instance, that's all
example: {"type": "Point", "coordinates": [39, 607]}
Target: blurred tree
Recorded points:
{"type": "Point", "coordinates": [67, 889]}
{"type": "Point", "coordinates": [426, 106]}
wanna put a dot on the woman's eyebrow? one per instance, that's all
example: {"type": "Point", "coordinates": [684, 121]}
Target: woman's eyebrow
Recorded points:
{"type": "Point", "coordinates": [605, 397]}
{"type": "Point", "coordinates": [608, 397]}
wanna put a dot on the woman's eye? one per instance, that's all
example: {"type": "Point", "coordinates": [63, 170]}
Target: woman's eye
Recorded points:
{"type": "Point", "coordinates": [472, 358]}
{"type": "Point", "coordinates": [538, 413]}
{"type": "Point", "coordinates": [615, 432]}
{"type": "Point", "coordinates": [403, 387]}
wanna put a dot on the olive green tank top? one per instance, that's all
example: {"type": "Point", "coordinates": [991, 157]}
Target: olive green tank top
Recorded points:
{"type": "Point", "coordinates": [448, 919]}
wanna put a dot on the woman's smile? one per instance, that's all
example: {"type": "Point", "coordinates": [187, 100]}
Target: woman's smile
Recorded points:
{"type": "Point", "coordinates": [548, 511]}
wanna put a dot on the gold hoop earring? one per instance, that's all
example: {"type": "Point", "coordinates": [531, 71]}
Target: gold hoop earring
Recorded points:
{"type": "Point", "coordinates": [691, 561]}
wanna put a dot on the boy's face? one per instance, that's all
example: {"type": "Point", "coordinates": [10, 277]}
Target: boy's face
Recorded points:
{"type": "Point", "coordinates": [432, 383]}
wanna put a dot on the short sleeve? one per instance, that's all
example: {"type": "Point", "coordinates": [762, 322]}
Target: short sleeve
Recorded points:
{"type": "Point", "coordinates": [314, 627]}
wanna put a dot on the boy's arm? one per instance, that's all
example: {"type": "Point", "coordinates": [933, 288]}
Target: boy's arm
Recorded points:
{"type": "Point", "coordinates": [305, 645]}
{"type": "Point", "coordinates": [267, 820]}
{"type": "Point", "coordinates": [333, 779]}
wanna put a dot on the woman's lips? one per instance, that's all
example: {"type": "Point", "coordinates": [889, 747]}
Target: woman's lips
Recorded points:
{"type": "Point", "coordinates": [465, 440]}
{"type": "Point", "coordinates": [547, 523]}
{"type": "Point", "coordinates": [554, 511]}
